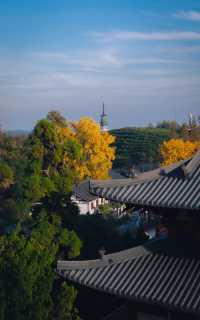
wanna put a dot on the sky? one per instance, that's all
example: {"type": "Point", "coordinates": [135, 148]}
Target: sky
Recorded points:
{"type": "Point", "coordinates": [140, 57]}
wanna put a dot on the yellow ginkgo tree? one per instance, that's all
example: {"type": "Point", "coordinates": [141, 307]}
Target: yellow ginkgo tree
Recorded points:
{"type": "Point", "coordinates": [175, 150]}
{"type": "Point", "coordinates": [98, 152]}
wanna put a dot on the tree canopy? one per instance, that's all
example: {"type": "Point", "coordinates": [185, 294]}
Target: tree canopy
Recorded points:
{"type": "Point", "coordinates": [27, 276]}
{"type": "Point", "coordinates": [48, 172]}
{"type": "Point", "coordinates": [6, 176]}
{"type": "Point", "coordinates": [98, 152]}
{"type": "Point", "coordinates": [60, 156]}
{"type": "Point", "coordinates": [175, 150]}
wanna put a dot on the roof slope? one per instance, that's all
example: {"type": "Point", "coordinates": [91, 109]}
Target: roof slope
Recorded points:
{"type": "Point", "coordinates": [150, 275]}
{"type": "Point", "coordinates": [175, 186]}
{"type": "Point", "coordinates": [82, 193]}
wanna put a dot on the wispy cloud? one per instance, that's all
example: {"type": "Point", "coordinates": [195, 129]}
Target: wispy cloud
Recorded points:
{"type": "Point", "coordinates": [182, 49]}
{"type": "Point", "coordinates": [60, 71]}
{"type": "Point", "coordinates": [101, 60]}
{"type": "Point", "coordinates": [45, 80]}
{"type": "Point", "coordinates": [144, 36]}
{"type": "Point", "coordinates": [188, 15]}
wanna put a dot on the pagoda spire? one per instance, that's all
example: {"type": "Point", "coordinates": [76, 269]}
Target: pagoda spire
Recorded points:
{"type": "Point", "coordinates": [104, 119]}
{"type": "Point", "coordinates": [103, 109]}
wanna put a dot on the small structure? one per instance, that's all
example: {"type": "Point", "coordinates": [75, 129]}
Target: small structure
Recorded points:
{"type": "Point", "coordinates": [104, 120]}
{"type": "Point", "coordinates": [86, 202]}
{"type": "Point", "coordinates": [90, 203]}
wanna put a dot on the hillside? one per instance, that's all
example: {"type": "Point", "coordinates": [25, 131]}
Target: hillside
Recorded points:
{"type": "Point", "coordinates": [17, 133]}
{"type": "Point", "coordinates": [138, 145]}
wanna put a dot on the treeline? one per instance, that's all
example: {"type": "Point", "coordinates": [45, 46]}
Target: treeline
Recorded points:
{"type": "Point", "coordinates": [138, 146]}
{"type": "Point", "coordinates": [38, 222]}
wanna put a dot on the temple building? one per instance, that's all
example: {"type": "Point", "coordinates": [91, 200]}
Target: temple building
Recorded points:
{"type": "Point", "coordinates": [104, 120]}
{"type": "Point", "coordinates": [87, 203]}
{"type": "Point", "coordinates": [161, 278]}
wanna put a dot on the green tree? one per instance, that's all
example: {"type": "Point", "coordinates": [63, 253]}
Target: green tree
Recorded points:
{"type": "Point", "coordinates": [57, 118]}
{"type": "Point", "coordinates": [49, 174]}
{"type": "Point", "coordinates": [27, 275]}
{"type": "Point", "coordinates": [6, 176]}
{"type": "Point", "coordinates": [65, 298]}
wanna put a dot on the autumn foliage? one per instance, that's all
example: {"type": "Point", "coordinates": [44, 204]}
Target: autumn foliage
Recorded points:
{"type": "Point", "coordinates": [175, 150]}
{"type": "Point", "coordinates": [98, 153]}
{"type": "Point", "coordinates": [61, 154]}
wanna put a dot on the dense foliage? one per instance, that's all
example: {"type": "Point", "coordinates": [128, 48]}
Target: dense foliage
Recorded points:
{"type": "Point", "coordinates": [175, 150]}
{"type": "Point", "coordinates": [97, 150]}
{"type": "Point", "coordinates": [138, 145]}
{"type": "Point", "coordinates": [50, 172]}
{"type": "Point", "coordinates": [37, 219]}
{"type": "Point", "coordinates": [183, 145]}
{"type": "Point", "coordinates": [38, 222]}
{"type": "Point", "coordinates": [60, 156]}
{"type": "Point", "coordinates": [27, 276]}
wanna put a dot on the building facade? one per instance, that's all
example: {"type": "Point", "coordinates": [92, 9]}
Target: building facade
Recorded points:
{"type": "Point", "coordinates": [86, 202]}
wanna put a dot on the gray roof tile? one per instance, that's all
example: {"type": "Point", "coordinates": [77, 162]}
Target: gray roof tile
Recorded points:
{"type": "Point", "coordinates": [169, 187]}
{"type": "Point", "coordinates": [148, 274]}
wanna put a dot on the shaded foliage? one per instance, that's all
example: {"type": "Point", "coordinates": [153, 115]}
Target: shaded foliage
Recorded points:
{"type": "Point", "coordinates": [138, 145]}
{"type": "Point", "coordinates": [26, 270]}
{"type": "Point", "coordinates": [6, 176]}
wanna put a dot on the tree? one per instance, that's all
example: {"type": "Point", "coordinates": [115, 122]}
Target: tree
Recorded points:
{"type": "Point", "coordinates": [175, 150]}
{"type": "Point", "coordinates": [51, 155]}
{"type": "Point", "coordinates": [190, 132]}
{"type": "Point", "coordinates": [167, 124]}
{"type": "Point", "coordinates": [14, 210]}
{"type": "Point", "coordinates": [65, 298]}
{"type": "Point", "coordinates": [6, 176]}
{"type": "Point", "coordinates": [98, 152]}
{"type": "Point", "coordinates": [105, 209]}
{"type": "Point", "coordinates": [57, 118]}
{"type": "Point", "coordinates": [60, 156]}
{"type": "Point", "coordinates": [27, 276]}
{"type": "Point", "coordinates": [13, 161]}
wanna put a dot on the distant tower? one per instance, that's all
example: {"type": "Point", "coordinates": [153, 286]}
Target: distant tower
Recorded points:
{"type": "Point", "coordinates": [104, 120]}
{"type": "Point", "coordinates": [192, 120]}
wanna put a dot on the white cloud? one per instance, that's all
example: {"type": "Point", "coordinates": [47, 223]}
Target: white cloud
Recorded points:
{"type": "Point", "coordinates": [181, 49]}
{"type": "Point", "coordinates": [57, 71]}
{"type": "Point", "coordinates": [144, 36]}
{"type": "Point", "coordinates": [188, 15]}
{"type": "Point", "coordinates": [77, 81]}
{"type": "Point", "coordinates": [103, 61]}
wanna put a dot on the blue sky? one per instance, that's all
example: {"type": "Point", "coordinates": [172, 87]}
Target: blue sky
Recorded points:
{"type": "Point", "coordinates": [142, 58]}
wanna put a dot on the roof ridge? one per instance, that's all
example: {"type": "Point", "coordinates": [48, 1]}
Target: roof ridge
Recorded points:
{"type": "Point", "coordinates": [108, 259]}
{"type": "Point", "coordinates": [173, 166]}
{"type": "Point", "coordinates": [194, 162]}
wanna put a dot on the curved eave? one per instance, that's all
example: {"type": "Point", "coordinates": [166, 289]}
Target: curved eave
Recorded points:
{"type": "Point", "coordinates": [152, 204]}
{"type": "Point", "coordinates": [154, 190]}
{"type": "Point", "coordinates": [149, 274]}
{"type": "Point", "coordinates": [176, 186]}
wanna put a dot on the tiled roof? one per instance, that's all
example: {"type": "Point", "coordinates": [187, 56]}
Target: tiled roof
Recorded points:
{"type": "Point", "coordinates": [82, 193]}
{"type": "Point", "coordinates": [175, 186]}
{"type": "Point", "coordinates": [146, 275]}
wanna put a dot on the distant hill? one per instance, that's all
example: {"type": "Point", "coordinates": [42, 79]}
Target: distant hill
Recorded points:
{"type": "Point", "coordinates": [17, 133]}
{"type": "Point", "coordinates": [138, 145]}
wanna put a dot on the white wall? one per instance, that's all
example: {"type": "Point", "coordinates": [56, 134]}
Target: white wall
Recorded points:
{"type": "Point", "coordinates": [88, 207]}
